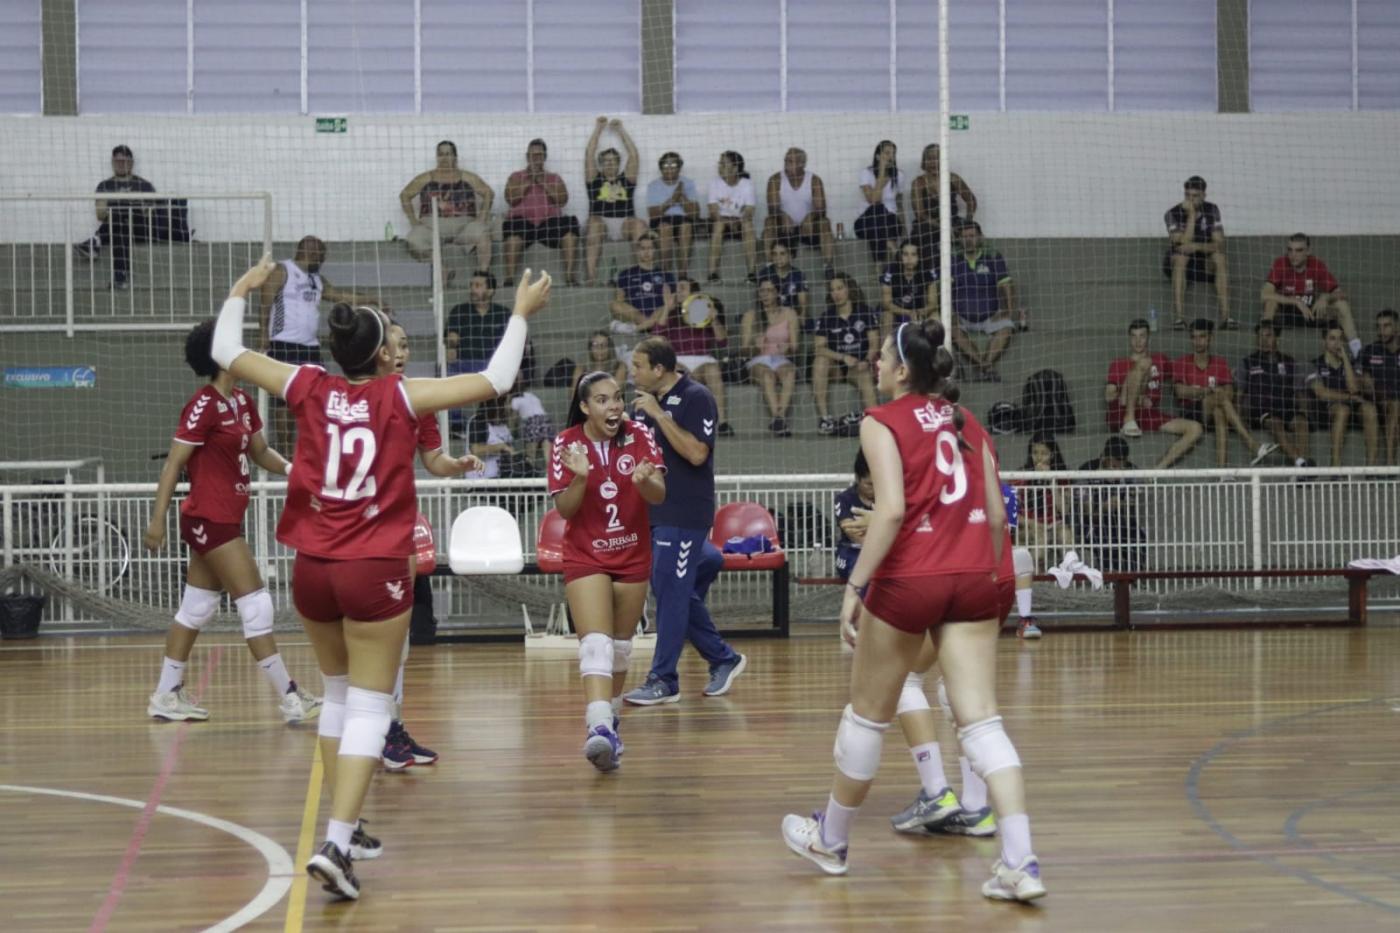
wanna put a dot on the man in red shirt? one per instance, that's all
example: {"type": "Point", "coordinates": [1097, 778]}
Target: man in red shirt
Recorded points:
{"type": "Point", "coordinates": [1134, 395]}
{"type": "Point", "coordinates": [1302, 291]}
{"type": "Point", "coordinates": [1205, 391]}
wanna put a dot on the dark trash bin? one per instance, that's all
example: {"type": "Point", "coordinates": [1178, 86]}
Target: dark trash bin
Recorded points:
{"type": "Point", "coordinates": [20, 614]}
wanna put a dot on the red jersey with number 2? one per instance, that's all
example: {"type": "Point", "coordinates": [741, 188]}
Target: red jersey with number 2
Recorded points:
{"type": "Point", "coordinates": [220, 429]}
{"type": "Point", "coordinates": [351, 493]}
{"type": "Point", "coordinates": [610, 530]}
{"type": "Point", "coordinates": [945, 527]}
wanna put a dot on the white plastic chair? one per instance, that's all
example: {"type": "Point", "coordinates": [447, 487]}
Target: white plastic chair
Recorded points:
{"type": "Point", "coordinates": [485, 539]}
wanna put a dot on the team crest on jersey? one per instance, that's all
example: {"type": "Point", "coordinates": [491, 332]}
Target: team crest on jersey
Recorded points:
{"type": "Point", "coordinates": [931, 418]}
{"type": "Point", "coordinates": [924, 524]}
{"type": "Point", "coordinates": [222, 408]}
{"type": "Point", "coordinates": [395, 590]}
{"type": "Point", "coordinates": [626, 464]}
{"type": "Point", "coordinates": [977, 517]}
{"type": "Point", "coordinates": [247, 421]}
{"type": "Point", "coordinates": [372, 511]}
{"type": "Point", "coordinates": [338, 408]}
{"type": "Point", "coordinates": [608, 490]}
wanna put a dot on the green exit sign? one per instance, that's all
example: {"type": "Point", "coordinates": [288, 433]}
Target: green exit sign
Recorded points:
{"type": "Point", "coordinates": [956, 121]}
{"type": "Point", "coordinates": [337, 124]}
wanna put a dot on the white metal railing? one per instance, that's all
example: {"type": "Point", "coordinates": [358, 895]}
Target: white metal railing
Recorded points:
{"type": "Point", "coordinates": [46, 286]}
{"type": "Point", "coordinates": [1176, 520]}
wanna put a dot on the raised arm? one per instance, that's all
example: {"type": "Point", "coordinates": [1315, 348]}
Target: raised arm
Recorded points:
{"type": "Point", "coordinates": [228, 350]}
{"type": "Point", "coordinates": [590, 152]}
{"type": "Point", "coordinates": [267, 297]}
{"type": "Point", "coordinates": [629, 168]}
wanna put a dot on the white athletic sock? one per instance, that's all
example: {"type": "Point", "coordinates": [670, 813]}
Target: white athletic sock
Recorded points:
{"type": "Point", "coordinates": [617, 706]}
{"type": "Point", "coordinates": [599, 713]}
{"type": "Point", "coordinates": [276, 673]}
{"type": "Point", "coordinates": [340, 833]}
{"type": "Point", "coordinates": [1023, 603]}
{"type": "Point", "coordinates": [398, 686]}
{"type": "Point", "coordinates": [172, 672]}
{"type": "Point", "coordinates": [930, 764]}
{"type": "Point", "coordinates": [1015, 839]}
{"type": "Point", "coordinates": [974, 789]}
{"type": "Point", "coordinates": [836, 827]}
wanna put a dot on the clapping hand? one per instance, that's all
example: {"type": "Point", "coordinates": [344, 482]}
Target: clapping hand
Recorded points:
{"type": "Point", "coordinates": [576, 459]}
{"type": "Point", "coordinates": [644, 471]}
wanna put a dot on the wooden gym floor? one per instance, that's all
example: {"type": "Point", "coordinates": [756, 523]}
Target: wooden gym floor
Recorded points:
{"type": "Point", "coordinates": [1177, 780]}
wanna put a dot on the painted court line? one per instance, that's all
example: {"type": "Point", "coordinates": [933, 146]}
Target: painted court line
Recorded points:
{"type": "Point", "coordinates": [279, 865]}
{"type": "Point", "coordinates": [296, 903]}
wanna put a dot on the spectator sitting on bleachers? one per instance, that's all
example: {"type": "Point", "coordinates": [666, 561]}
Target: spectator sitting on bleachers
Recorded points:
{"type": "Point", "coordinates": [847, 338]}
{"type": "Point", "coordinates": [791, 283]}
{"type": "Point", "coordinates": [536, 428]}
{"type": "Point", "coordinates": [1108, 511]}
{"type": "Point", "coordinates": [924, 195]}
{"type": "Point", "coordinates": [1342, 392]}
{"type": "Point", "coordinates": [490, 438]}
{"type": "Point", "coordinates": [1196, 251]}
{"type": "Point", "coordinates": [1134, 395]}
{"type": "Point", "coordinates": [697, 343]}
{"type": "Point", "coordinates": [1301, 291]}
{"type": "Point", "coordinates": [1381, 362]}
{"type": "Point", "coordinates": [1205, 392]}
{"type": "Point", "coordinates": [645, 293]}
{"type": "Point", "coordinates": [1271, 381]}
{"type": "Point", "coordinates": [612, 189]}
{"type": "Point", "coordinates": [1042, 522]}
{"type": "Point", "coordinates": [120, 223]}
{"type": "Point", "coordinates": [731, 202]}
{"type": "Point", "coordinates": [984, 301]}
{"type": "Point", "coordinates": [536, 214]}
{"type": "Point", "coordinates": [772, 334]}
{"type": "Point", "coordinates": [472, 331]}
{"type": "Point", "coordinates": [797, 210]}
{"type": "Point", "coordinates": [464, 210]}
{"type": "Point", "coordinates": [909, 292]}
{"type": "Point", "coordinates": [673, 206]}
{"type": "Point", "coordinates": [601, 358]}
{"type": "Point", "coordinates": [881, 224]}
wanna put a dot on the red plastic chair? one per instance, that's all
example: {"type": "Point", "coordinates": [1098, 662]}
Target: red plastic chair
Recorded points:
{"type": "Point", "coordinates": [549, 546]}
{"type": "Point", "coordinates": [744, 520]}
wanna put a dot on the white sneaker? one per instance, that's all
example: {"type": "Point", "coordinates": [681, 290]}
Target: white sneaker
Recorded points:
{"type": "Point", "coordinates": [1264, 451]}
{"type": "Point", "coordinates": [175, 706]}
{"type": "Point", "coordinates": [1130, 429]}
{"type": "Point", "coordinates": [299, 706]}
{"type": "Point", "coordinates": [1015, 884]}
{"type": "Point", "coordinates": [803, 835]}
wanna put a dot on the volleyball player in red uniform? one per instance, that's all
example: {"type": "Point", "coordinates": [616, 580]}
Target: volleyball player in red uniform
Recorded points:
{"type": "Point", "coordinates": [218, 435]}
{"type": "Point", "coordinates": [604, 471]}
{"type": "Point", "coordinates": [350, 512]}
{"type": "Point", "coordinates": [933, 554]}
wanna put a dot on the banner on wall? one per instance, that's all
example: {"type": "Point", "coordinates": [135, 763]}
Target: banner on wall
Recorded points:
{"type": "Point", "coordinates": [50, 377]}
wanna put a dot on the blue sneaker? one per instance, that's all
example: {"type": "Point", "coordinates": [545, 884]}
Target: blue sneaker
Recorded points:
{"type": "Point", "coordinates": [601, 748]}
{"type": "Point", "coordinates": [653, 692]}
{"type": "Point", "coordinates": [722, 675]}
{"type": "Point", "coordinates": [617, 731]}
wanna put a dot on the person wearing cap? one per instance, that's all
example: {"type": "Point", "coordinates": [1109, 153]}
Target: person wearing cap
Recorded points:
{"type": "Point", "coordinates": [1109, 510]}
{"type": "Point", "coordinates": [121, 223]}
{"type": "Point", "coordinates": [1197, 252]}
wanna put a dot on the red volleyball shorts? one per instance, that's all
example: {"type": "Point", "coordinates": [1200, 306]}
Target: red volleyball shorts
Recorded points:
{"type": "Point", "coordinates": [917, 604]}
{"type": "Point", "coordinates": [369, 589]}
{"type": "Point", "coordinates": [631, 573]}
{"type": "Point", "coordinates": [204, 536]}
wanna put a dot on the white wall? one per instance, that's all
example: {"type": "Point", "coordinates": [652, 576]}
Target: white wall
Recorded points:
{"type": "Point", "coordinates": [1036, 175]}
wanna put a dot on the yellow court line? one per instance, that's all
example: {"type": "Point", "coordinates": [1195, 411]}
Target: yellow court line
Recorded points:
{"type": "Point", "coordinates": [296, 898]}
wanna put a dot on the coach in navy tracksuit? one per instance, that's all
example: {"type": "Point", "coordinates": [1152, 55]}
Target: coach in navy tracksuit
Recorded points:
{"type": "Point", "coordinates": [682, 415]}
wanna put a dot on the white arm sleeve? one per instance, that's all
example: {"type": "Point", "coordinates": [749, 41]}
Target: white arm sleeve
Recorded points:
{"type": "Point", "coordinates": [228, 333]}
{"type": "Point", "coordinates": [505, 362]}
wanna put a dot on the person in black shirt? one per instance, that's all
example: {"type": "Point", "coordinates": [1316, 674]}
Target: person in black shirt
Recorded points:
{"type": "Point", "coordinates": [1381, 362]}
{"type": "Point", "coordinates": [1342, 392]}
{"type": "Point", "coordinates": [1270, 380]}
{"type": "Point", "coordinates": [909, 290]}
{"type": "Point", "coordinates": [847, 339]}
{"type": "Point", "coordinates": [1197, 252]}
{"type": "Point", "coordinates": [612, 189]}
{"type": "Point", "coordinates": [471, 333]}
{"type": "Point", "coordinates": [122, 223]}
{"type": "Point", "coordinates": [1108, 512]}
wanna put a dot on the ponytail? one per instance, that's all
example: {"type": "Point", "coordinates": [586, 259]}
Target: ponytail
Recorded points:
{"type": "Point", "coordinates": [357, 334]}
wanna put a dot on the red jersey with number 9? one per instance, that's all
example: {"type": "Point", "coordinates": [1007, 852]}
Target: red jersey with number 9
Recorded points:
{"type": "Point", "coordinates": [351, 493]}
{"type": "Point", "coordinates": [220, 429]}
{"type": "Point", "coordinates": [610, 530]}
{"type": "Point", "coordinates": [945, 528]}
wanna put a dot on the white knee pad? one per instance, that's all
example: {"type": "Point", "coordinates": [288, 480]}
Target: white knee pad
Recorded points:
{"type": "Point", "coordinates": [255, 610]}
{"type": "Point", "coordinates": [622, 655]}
{"type": "Point", "coordinates": [1022, 560]}
{"type": "Point", "coordinates": [197, 607]}
{"type": "Point", "coordinates": [943, 702]}
{"type": "Point", "coordinates": [367, 717]}
{"type": "Point", "coordinates": [911, 698]}
{"type": "Point", "coordinates": [858, 743]}
{"type": "Point", "coordinates": [595, 655]}
{"type": "Point", "coordinates": [988, 748]}
{"type": "Point", "coordinates": [331, 723]}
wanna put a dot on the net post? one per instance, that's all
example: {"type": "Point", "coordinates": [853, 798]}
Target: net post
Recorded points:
{"type": "Point", "coordinates": [439, 337]}
{"type": "Point", "coordinates": [1256, 524]}
{"type": "Point", "coordinates": [945, 209]}
{"type": "Point", "coordinates": [67, 278]}
{"type": "Point", "coordinates": [101, 527]}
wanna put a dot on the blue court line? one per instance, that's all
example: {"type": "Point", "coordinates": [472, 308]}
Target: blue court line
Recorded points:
{"type": "Point", "coordinates": [1292, 834]}
{"type": "Point", "coordinates": [1193, 795]}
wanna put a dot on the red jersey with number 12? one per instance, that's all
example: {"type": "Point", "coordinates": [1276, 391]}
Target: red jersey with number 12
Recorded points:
{"type": "Point", "coordinates": [220, 429]}
{"type": "Point", "coordinates": [945, 528]}
{"type": "Point", "coordinates": [610, 530]}
{"type": "Point", "coordinates": [351, 493]}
